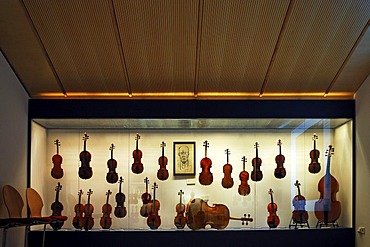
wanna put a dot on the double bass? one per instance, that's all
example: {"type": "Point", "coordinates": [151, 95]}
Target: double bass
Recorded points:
{"type": "Point", "coordinates": [256, 174]}
{"type": "Point", "coordinates": [145, 197]}
{"type": "Point", "coordinates": [272, 220]}
{"type": "Point", "coordinates": [299, 214]}
{"type": "Point", "coordinates": [106, 220]}
{"type": "Point", "coordinates": [137, 167]}
{"type": "Point", "coordinates": [280, 171]}
{"type": "Point", "coordinates": [162, 173]}
{"type": "Point", "coordinates": [154, 220]}
{"type": "Point", "coordinates": [88, 220]}
{"type": "Point", "coordinates": [314, 166]}
{"type": "Point", "coordinates": [57, 208]}
{"type": "Point", "coordinates": [85, 171]}
{"type": "Point", "coordinates": [327, 208]}
{"type": "Point", "coordinates": [120, 210]}
{"type": "Point", "coordinates": [57, 171]}
{"type": "Point", "coordinates": [227, 181]}
{"type": "Point", "coordinates": [206, 177]}
{"type": "Point", "coordinates": [79, 210]}
{"type": "Point", "coordinates": [112, 176]}
{"type": "Point", "coordinates": [244, 188]}
{"type": "Point", "coordinates": [180, 219]}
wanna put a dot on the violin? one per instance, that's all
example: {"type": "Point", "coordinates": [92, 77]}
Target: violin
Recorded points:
{"type": "Point", "coordinates": [299, 214]}
{"type": "Point", "coordinates": [57, 208]}
{"type": "Point", "coordinates": [57, 171]}
{"type": "Point", "coordinates": [314, 166]}
{"type": "Point", "coordinates": [137, 167]}
{"type": "Point", "coordinates": [145, 197]}
{"type": "Point", "coordinates": [85, 171]}
{"type": "Point", "coordinates": [256, 174]}
{"type": "Point", "coordinates": [272, 220]}
{"type": "Point", "coordinates": [88, 220]}
{"type": "Point", "coordinates": [154, 220]}
{"type": "Point", "coordinates": [327, 208]}
{"type": "Point", "coordinates": [79, 209]}
{"type": "Point", "coordinates": [106, 220]}
{"type": "Point", "coordinates": [162, 173]}
{"type": "Point", "coordinates": [206, 177]}
{"type": "Point", "coordinates": [112, 176]}
{"type": "Point", "coordinates": [180, 219]}
{"type": "Point", "coordinates": [199, 214]}
{"type": "Point", "coordinates": [280, 171]}
{"type": "Point", "coordinates": [227, 181]}
{"type": "Point", "coordinates": [244, 188]}
{"type": "Point", "coordinates": [120, 210]}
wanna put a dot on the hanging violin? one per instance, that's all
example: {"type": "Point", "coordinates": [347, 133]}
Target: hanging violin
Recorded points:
{"type": "Point", "coordinates": [206, 177]}
{"type": "Point", "coordinates": [57, 208]}
{"type": "Point", "coordinates": [272, 220]}
{"type": "Point", "coordinates": [280, 171]}
{"type": "Point", "coordinates": [227, 181]}
{"type": "Point", "coordinates": [120, 210]}
{"type": "Point", "coordinates": [145, 197]}
{"type": "Point", "coordinates": [154, 220]}
{"type": "Point", "coordinates": [162, 173]}
{"type": "Point", "coordinates": [57, 171]}
{"type": "Point", "coordinates": [256, 174]}
{"type": "Point", "coordinates": [244, 188]}
{"type": "Point", "coordinates": [314, 166]}
{"type": "Point", "coordinates": [106, 220]}
{"type": "Point", "coordinates": [299, 214]}
{"type": "Point", "coordinates": [79, 210]}
{"type": "Point", "coordinates": [137, 167]}
{"type": "Point", "coordinates": [88, 220]}
{"type": "Point", "coordinates": [85, 171]}
{"type": "Point", "coordinates": [112, 176]}
{"type": "Point", "coordinates": [180, 219]}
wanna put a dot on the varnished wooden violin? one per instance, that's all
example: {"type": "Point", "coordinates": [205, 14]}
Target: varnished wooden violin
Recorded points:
{"type": "Point", "coordinates": [180, 219]}
{"type": "Point", "coordinates": [85, 171]}
{"type": "Point", "coordinates": [206, 177]}
{"type": "Point", "coordinates": [154, 220]}
{"type": "Point", "coordinates": [244, 188]}
{"type": "Point", "coordinates": [272, 220]}
{"type": "Point", "coordinates": [299, 214]}
{"type": "Point", "coordinates": [79, 210]}
{"type": "Point", "coordinates": [112, 176]}
{"type": "Point", "coordinates": [120, 210]}
{"type": "Point", "coordinates": [227, 181]}
{"type": "Point", "coordinates": [256, 174]}
{"type": "Point", "coordinates": [162, 173]}
{"type": "Point", "coordinates": [145, 197]}
{"type": "Point", "coordinates": [137, 167]}
{"type": "Point", "coordinates": [57, 208]}
{"type": "Point", "coordinates": [106, 220]}
{"type": "Point", "coordinates": [280, 171]}
{"type": "Point", "coordinates": [88, 220]}
{"type": "Point", "coordinates": [314, 166]}
{"type": "Point", "coordinates": [57, 171]}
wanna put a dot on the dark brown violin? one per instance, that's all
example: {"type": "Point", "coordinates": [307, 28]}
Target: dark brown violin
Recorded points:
{"type": "Point", "coordinates": [327, 208]}
{"type": "Point", "coordinates": [88, 220]}
{"type": "Point", "coordinates": [57, 208]}
{"type": "Point", "coordinates": [112, 176]}
{"type": "Point", "coordinates": [154, 220]}
{"type": "Point", "coordinates": [299, 214]}
{"type": "Point", "coordinates": [227, 181]}
{"type": "Point", "coordinates": [314, 166]}
{"type": "Point", "coordinates": [280, 171]}
{"type": "Point", "coordinates": [106, 220]}
{"type": "Point", "coordinates": [206, 177]}
{"type": "Point", "coordinates": [272, 220]}
{"type": "Point", "coordinates": [199, 214]}
{"type": "Point", "coordinates": [85, 171]}
{"type": "Point", "coordinates": [256, 174]}
{"type": "Point", "coordinates": [180, 219]}
{"type": "Point", "coordinates": [57, 171]}
{"type": "Point", "coordinates": [162, 173]}
{"type": "Point", "coordinates": [145, 197]}
{"type": "Point", "coordinates": [137, 167]}
{"type": "Point", "coordinates": [244, 188]}
{"type": "Point", "coordinates": [120, 210]}
{"type": "Point", "coordinates": [79, 210]}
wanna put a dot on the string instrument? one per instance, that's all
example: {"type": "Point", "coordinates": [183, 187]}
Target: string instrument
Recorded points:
{"type": "Point", "coordinates": [57, 171]}
{"type": "Point", "coordinates": [205, 177]}
{"type": "Point", "coordinates": [199, 214]}
{"type": "Point", "coordinates": [244, 188]}
{"type": "Point", "coordinates": [88, 220]}
{"type": "Point", "coordinates": [227, 181]}
{"type": "Point", "coordinates": [299, 214]}
{"type": "Point", "coordinates": [106, 220]}
{"type": "Point", "coordinates": [154, 220]}
{"type": "Point", "coordinates": [180, 219]}
{"type": "Point", "coordinates": [79, 209]}
{"type": "Point", "coordinates": [85, 171]}
{"type": "Point", "coordinates": [280, 171]}
{"type": "Point", "coordinates": [314, 166]}
{"type": "Point", "coordinates": [272, 220]}
{"type": "Point", "coordinates": [112, 176]}
{"type": "Point", "coordinates": [256, 174]}
{"type": "Point", "coordinates": [162, 173]}
{"type": "Point", "coordinates": [120, 210]}
{"type": "Point", "coordinates": [57, 208]}
{"type": "Point", "coordinates": [145, 197]}
{"type": "Point", "coordinates": [327, 208]}
{"type": "Point", "coordinates": [137, 167]}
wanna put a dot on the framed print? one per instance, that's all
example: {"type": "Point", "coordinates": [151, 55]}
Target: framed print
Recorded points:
{"type": "Point", "coordinates": [183, 158]}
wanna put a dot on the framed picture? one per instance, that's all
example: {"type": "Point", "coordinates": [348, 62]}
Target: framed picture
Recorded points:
{"type": "Point", "coordinates": [183, 158]}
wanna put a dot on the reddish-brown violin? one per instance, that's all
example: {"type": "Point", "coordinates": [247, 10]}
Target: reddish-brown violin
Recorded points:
{"type": "Point", "coordinates": [137, 167]}
{"type": "Point", "coordinates": [256, 174]}
{"type": "Point", "coordinates": [145, 197]}
{"type": "Point", "coordinates": [314, 166]}
{"type": "Point", "coordinates": [85, 171]}
{"type": "Point", "coordinates": [112, 176]}
{"type": "Point", "coordinates": [206, 177]}
{"type": "Point", "coordinates": [106, 220]}
{"type": "Point", "coordinates": [120, 210]}
{"type": "Point", "coordinates": [154, 220]}
{"type": "Point", "coordinates": [299, 214]}
{"type": "Point", "coordinates": [272, 220]}
{"type": "Point", "coordinates": [162, 173]}
{"type": "Point", "coordinates": [180, 219]}
{"type": "Point", "coordinates": [88, 220]}
{"type": "Point", "coordinates": [227, 181]}
{"type": "Point", "coordinates": [57, 171]}
{"type": "Point", "coordinates": [244, 188]}
{"type": "Point", "coordinates": [79, 210]}
{"type": "Point", "coordinates": [280, 171]}
{"type": "Point", "coordinates": [57, 208]}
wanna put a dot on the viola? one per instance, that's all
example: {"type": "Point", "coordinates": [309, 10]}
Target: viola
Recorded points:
{"type": "Point", "coordinates": [227, 181]}
{"type": "Point", "coordinates": [206, 177]}
{"type": "Point", "coordinates": [106, 220]}
{"type": "Point", "coordinates": [85, 171]}
{"type": "Point", "coordinates": [79, 209]}
{"type": "Point", "coordinates": [145, 197]}
{"type": "Point", "coordinates": [280, 171]}
{"type": "Point", "coordinates": [162, 173]}
{"type": "Point", "coordinates": [244, 188]}
{"type": "Point", "coordinates": [120, 210]}
{"type": "Point", "coordinates": [199, 214]}
{"type": "Point", "coordinates": [154, 220]}
{"type": "Point", "coordinates": [272, 220]}
{"type": "Point", "coordinates": [256, 174]}
{"type": "Point", "coordinates": [112, 176]}
{"type": "Point", "coordinates": [327, 208]}
{"type": "Point", "coordinates": [57, 208]}
{"type": "Point", "coordinates": [137, 167]}
{"type": "Point", "coordinates": [299, 214]}
{"type": "Point", "coordinates": [57, 171]}
{"type": "Point", "coordinates": [314, 166]}
{"type": "Point", "coordinates": [180, 219]}
{"type": "Point", "coordinates": [88, 220]}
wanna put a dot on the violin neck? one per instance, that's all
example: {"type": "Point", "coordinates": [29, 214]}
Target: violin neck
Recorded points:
{"type": "Point", "coordinates": [280, 149]}
{"type": "Point", "coordinates": [154, 199]}
{"type": "Point", "coordinates": [57, 196]}
{"type": "Point", "coordinates": [299, 191]}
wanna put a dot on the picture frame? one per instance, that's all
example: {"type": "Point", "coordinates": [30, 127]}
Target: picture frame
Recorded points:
{"type": "Point", "coordinates": [184, 159]}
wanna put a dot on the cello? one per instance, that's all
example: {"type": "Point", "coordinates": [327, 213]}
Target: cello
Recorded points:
{"type": "Point", "coordinates": [112, 176]}
{"type": "Point", "coordinates": [272, 220]}
{"type": "Point", "coordinates": [180, 220]}
{"type": "Point", "coordinates": [227, 181]}
{"type": "Point", "coordinates": [85, 171]}
{"type": "Point", "coordinates": [244, 188]}
{"type": "Point", "coordinates": [120, 210]}
{"type": "Point", "coordinates": [206, 177]}
{"type": "Point", "coordinates": [106, 220]}
{"type": "Point", "coordinates": [154, 220]}
{"type": "Point", "coordinates": [137, 167]}
{"type": "Point", "coordinates": [327, 208]}
{"type": "Point", "coordinates": [299, 214]}
{"type": "Point", "coordinates": [79, 209]}
{"type": "Point", "coordinates": [88, 220]}
{"type": "Point", "coordinates": [280, 171]}
{"type": "Point", "coordinates": [314, 166]}
{"type": "Point", "coordinates": [162, 173]}
{"type": "Point", "coordinates": [256, 174]}
{"type": "Point", "coordinates": [57, 171]}
{"type": "Point", "coordinates": [57, 208]}
{"type": "Point", "coordinates": [145, 197]}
